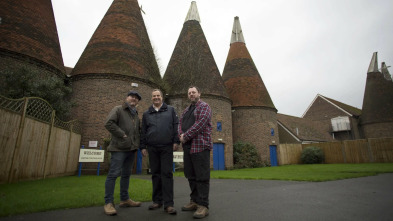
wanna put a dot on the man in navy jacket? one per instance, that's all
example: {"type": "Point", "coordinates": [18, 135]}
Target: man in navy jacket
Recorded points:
{"type": "Point", "coordinates": [159, 135]}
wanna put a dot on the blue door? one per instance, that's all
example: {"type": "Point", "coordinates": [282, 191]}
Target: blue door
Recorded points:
{"type": "Point", "coordinates": [273, 155]}
{"type": "Point", "coordinates": [218, 156]}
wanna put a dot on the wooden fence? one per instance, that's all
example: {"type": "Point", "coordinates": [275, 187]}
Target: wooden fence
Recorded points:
{"type": "Point", "coordinates": [373, 150]}
{"type": "Point", "coordinates": [34, 143]}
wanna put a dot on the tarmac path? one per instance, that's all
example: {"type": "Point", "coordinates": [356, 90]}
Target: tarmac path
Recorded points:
{"type": "Point", "coordinates": [367, 198]}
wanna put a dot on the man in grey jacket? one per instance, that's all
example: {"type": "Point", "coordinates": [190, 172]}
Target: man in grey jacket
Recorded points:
{"type": "Point", "coordinates": [123, 124]}
{"type": "Point", "coordinates": [159, 135]}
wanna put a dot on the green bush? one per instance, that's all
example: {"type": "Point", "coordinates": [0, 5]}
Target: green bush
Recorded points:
{"type": "Point", "coordinates": [312, 155]}
{"type": "Point", "coordinates": [24, 82]}
{"type": "Point", "coordinates": [245, 155]}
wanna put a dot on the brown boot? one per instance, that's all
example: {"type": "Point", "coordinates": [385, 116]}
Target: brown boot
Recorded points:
{"type": "Point", "coordinates": [201, 212]}
{"type": "Point", "coordinates": [171, 210]}
{"type": "Point", "coordinates": [191, 206]}
{"type": "Point", "coordinates": [129, 203]}
{"type": "Point", "coordinates": [109, 209]}
{"type": "Point", "coordinates": [155, 206]}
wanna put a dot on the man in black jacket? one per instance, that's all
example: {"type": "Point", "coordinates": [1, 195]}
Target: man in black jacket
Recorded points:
{"type": "Point", "coordinates": [159, 135]}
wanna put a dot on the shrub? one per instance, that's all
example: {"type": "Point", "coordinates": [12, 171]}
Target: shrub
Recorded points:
{"type": "Point", "coordinates": [24, 82]}
{"type": "Point", "coordinates": [245, 155]}
{"type": "Point", "coordinates": [312, 155]}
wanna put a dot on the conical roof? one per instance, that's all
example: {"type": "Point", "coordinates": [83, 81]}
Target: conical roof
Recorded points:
{"type": "Point", "coordinates": [192, 62]}
{"type": "Point", "coordinates": [241, 77]}
{"type": "Point", "coordinates": [378, 96]}
{"type": "Point", "coordinates": [120, 45]}
{"type": "Point", "coordinates": [28, 28]}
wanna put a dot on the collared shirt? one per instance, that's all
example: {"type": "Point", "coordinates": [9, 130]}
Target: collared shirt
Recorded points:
{"type": "Point", "coordinates": [200, 133]}
{"type": "Point", "coordinates": [157, 108]}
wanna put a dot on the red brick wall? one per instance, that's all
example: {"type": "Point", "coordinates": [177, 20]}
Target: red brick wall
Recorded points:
{"type": "Point", "coordinates": [378, 130]}
{"type": "Point", "coordinates": [95, 98]}
{"type": "Point", "coordinates": [253, 125]}
{"type": "Point", "coordinates": [323, 111]}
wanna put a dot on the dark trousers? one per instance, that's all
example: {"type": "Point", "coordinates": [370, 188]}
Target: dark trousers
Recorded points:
{"type": "Point", "coordinates": [197, 171]}
{"type": "Point", "coordinates": [161, 164]}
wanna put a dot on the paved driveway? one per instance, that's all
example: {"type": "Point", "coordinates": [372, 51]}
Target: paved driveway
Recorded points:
{"type": "Point", "coordinates": [367, 198]}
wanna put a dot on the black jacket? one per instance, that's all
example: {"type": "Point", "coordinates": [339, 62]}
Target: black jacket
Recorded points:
{"type": "Point", "coordinates": [159, 128]}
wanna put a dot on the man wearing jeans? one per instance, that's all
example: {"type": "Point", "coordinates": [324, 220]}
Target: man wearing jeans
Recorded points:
{"type": "Point", "coordinates": [195, 134]}
{"type": "Point", "coordinates": [123, 124]}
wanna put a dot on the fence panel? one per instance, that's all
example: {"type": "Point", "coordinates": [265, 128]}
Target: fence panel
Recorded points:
{"type": "Point", "coordinates": [9, 126]}
{"type": "Point", "coordinates": [30, 156]}
{"type": "Point", "coordinates": [333, 151]}
{"type": "Point", "coordinates": [33, 142]}
{"type": "Point", "coordinates": [357, 151]}
{"type": "Point", "coordinates": [57, 152]}
{"type": "Point", "coordinates": [289, 154]}
{"type": "Point", "coordinates": [378, 150]}
{"type": "Point", "coordinates": [73, 154]}
{"type": "Point", "coordinates": [382, 149]}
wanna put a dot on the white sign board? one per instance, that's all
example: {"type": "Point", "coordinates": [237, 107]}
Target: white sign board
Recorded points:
{"type": "Point", "coordinates": [93, 143]}
{"type": "Point", "coordinates": [91, 155]}
{"type": "Point", "coordinates": [178, 157]}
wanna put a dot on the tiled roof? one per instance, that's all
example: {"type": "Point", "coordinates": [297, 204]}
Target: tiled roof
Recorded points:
{"type": "Point", "coordinates": [29, 28]}
{"type": "Point", "coordinates": [304, 129]}
{"type": "Point", "coordinates": [350, 109]}
{"type": "Point", "coordinates": [192, 63]}
{"type": "Point", "coordinates": [120, 45]}
{"type": "Point", "coordinates": [242, 79]}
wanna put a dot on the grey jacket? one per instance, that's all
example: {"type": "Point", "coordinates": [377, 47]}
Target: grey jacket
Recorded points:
{"type": "Point", "coordinates": [120, 122]}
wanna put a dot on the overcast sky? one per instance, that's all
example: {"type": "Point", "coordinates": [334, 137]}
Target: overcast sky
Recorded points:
{"type": "Point", "coordinates": [301, 48]}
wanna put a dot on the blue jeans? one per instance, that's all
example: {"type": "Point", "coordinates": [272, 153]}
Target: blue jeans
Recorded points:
{"type": "Point", "coordinates": [121, 165]}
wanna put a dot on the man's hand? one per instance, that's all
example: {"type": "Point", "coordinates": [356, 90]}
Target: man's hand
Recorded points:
{"type": "Point", "coordinates": [175, 146]}
{"type": "Point", "coordinates": [182, 138]}
{"type": "Point", "coordinates": [144, 152]}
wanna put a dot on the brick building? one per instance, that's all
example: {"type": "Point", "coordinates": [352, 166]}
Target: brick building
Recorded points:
{"type": "Point", "coordinates": [119, 57]}
{"type": "Point", "coordinates": [377, 111]}
{"type": "Point", "coordinates": [254, 116]}
{"type": "Point", "coordinates": [339, 119]}
{"type": "Point", "coordinates": [192, 63]}
{"type": "Point", "coordinates": [301, 130]}
{"type": "Point", "coordinates": [29, 42]}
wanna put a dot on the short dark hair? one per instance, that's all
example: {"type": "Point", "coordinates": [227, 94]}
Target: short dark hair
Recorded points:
{"type": "Point", "coordinates": [192, 86]}
{"type": "Point", "coordinates": [162, 95]}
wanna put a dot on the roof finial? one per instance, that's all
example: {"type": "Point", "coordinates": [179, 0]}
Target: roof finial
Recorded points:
{"type": "Point", "coordinates": [385, 71]}
{"type": "Point", "coordinates": [374, 63]}
{"type": "Point", "coordinates": [193, 13]}
{"type": "Point", "coordinates": [237, 33]}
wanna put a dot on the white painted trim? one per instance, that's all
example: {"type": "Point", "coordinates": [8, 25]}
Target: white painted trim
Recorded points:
{"type": "Point", "coordinates": [310, 105]}
{"type": "Point", "coordinates": [318, 95]}
{"type": "Point", "coordinates": [336, 105]}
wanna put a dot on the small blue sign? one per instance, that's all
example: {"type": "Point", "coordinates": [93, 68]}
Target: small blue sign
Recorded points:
{"type": "Point", "coordinates": [219, 127]}
{"type": "Point", "coordinates": [272, 131]}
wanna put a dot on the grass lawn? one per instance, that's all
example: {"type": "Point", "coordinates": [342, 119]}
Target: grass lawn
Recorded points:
{"type": "Point", "coordinates": [64, 193]}
{"type": "Point", "coordinates": [310, 172]}
{"type": "Point", "coordinates": [85, 191]}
